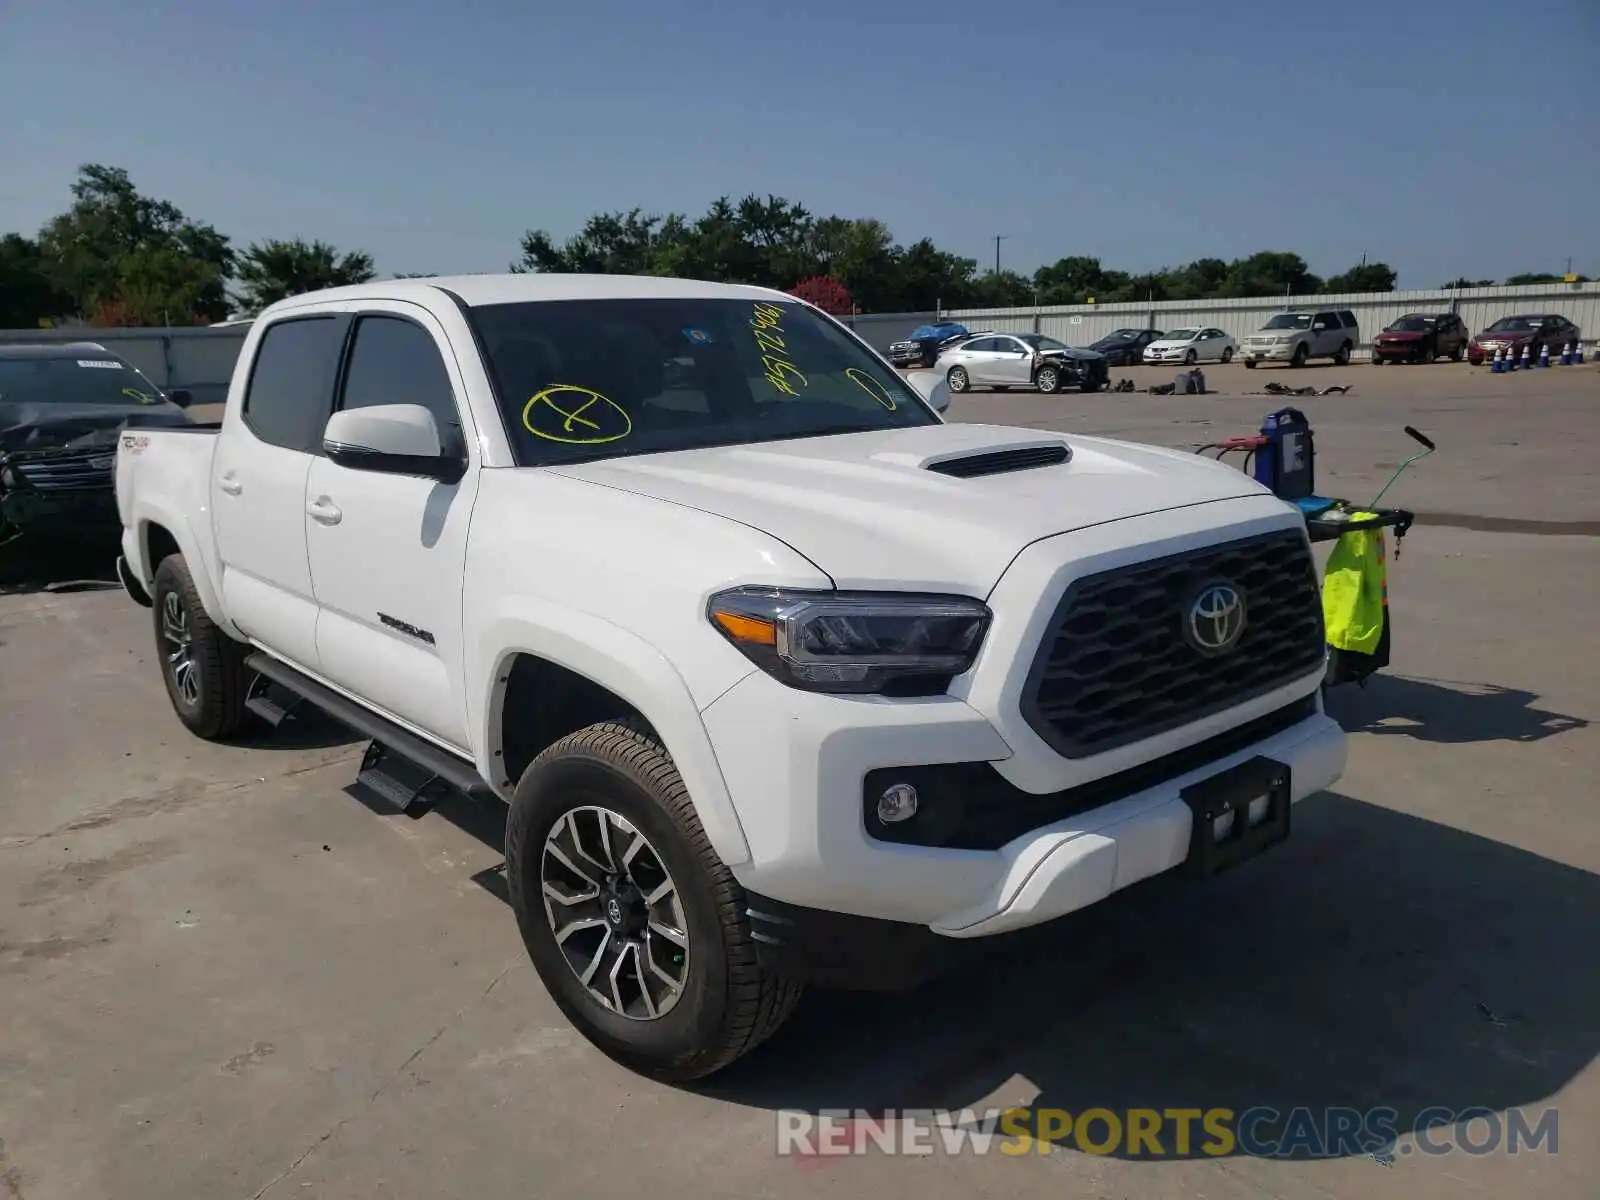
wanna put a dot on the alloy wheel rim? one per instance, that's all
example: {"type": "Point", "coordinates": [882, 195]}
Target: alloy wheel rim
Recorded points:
{"type": "Point", "coordinates": [1047, 380]}
{"type": "Point", "coordinates": [615, 912]}
{"type": "Point", "coordinates": [180, 648]}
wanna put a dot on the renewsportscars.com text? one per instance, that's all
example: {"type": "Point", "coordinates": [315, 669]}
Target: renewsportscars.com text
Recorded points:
{"type": "Point", "coordinates": [1261, 1132]}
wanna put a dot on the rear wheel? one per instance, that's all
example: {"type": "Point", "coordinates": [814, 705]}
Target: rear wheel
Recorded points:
{"type": "Point", "coordinates": [1227, 354]}
{"type": "Point", "coordinates": [1048, 380]}
{"type": "Point", "coordinates": [957, 379]}
{"type": "Point", "coordinates": [1343, 357]}
{"type": "Point", "coordinates": [1455, 355]}
{"type": "Point", "coordinates": [634, 924]}
{"type": "Point", "coordinates": [201, 665]}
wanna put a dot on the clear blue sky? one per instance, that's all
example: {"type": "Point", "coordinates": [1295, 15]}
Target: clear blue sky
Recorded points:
{"type": "Point", "coordinates": [1443, 138]}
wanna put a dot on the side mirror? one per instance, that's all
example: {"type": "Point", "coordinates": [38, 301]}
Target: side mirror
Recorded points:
{"type": "Point", "coordinates": [933, 388]}
{"type": "Point", "coordinates": [400, 439]}
{"type": "Point", "coordinates": [182, 397]}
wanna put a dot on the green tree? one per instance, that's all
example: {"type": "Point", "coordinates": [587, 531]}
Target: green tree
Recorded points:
{"type": "Point", "coordinates": [1461, 281]}
{"type": "Point", "coordinates": [117, 249]}
{"type": "Point", "coordinates": [270, 271]}
{"type": "Point", "coordinates": [1368, 277]}
{"type": "Point", "coordinates": [27, 294]}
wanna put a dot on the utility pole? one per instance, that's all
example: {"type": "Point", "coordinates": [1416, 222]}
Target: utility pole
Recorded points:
{"type": "Point", "coordinates": [998, 238]}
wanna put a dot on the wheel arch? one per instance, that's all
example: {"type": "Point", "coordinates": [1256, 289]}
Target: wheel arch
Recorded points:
{"type": "Point", "coordinates": [545, 672]}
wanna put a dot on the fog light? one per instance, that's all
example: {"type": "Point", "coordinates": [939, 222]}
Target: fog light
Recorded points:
{"type": "Point", "coordinates": [898, 803]}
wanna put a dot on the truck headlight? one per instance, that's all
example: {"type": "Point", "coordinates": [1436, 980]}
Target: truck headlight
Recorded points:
{"type": "Point", "coordinates": [886, 643]}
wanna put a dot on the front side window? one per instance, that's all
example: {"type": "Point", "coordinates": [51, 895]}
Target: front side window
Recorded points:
{"type": "Point", "coordinates": [82, 378]}
{"type": "Point", "coordinates": [289, 396]}
{"type": "Point", "coordinates": [588, 379]}
{"type": "Point", "coordinates": [394, 361]}
{"type": "Point", "coordinates": [1041, 341]}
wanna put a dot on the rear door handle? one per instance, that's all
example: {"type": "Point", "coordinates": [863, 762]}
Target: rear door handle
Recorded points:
{"type": "Point", "coordinates": [324, 511]}
{"type": "Point", "coordinates": [230, 484]}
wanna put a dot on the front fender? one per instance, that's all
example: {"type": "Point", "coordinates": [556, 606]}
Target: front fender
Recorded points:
{"type": "Point", "coordinates": [624, 664]}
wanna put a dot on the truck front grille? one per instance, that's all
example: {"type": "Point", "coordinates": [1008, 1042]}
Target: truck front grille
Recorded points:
{"type": "Point", "coordinates": [1119, 664]}
{"type": "Point", "coordinates": [53, 471]}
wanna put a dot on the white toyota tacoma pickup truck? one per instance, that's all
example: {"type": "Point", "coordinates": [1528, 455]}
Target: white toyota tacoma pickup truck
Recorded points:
{"type": "Point", "coordinates": [784, 678]}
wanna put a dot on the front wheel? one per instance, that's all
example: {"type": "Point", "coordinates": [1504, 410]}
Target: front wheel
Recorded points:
{"type": "Point", "coordinates": [201, 665]}
{"type": "Point", "coordinates": [1227, 354]}
{"type": "Point", "coordinates": [1249, 364]}
{"type": "Point", "coordinates": [1048, 380]}
{"type": "Point", "coordinates": [1300, 355]}
{"type": "Point", "coordinates": [634, 924]}
{"type": "Point", "coordinates": [1191, 357]}
{"type": "Point", "coordinates": [957, 379]}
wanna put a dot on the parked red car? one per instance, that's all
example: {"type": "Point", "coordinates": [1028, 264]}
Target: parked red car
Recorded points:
{"type": "Point", "coordinates": [1511, 334]}
{"type": "Point", "coordinates": [1420, 337]}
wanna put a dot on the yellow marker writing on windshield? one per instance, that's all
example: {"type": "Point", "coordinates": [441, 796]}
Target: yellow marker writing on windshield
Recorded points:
{"type": "Point", "coordinates": [871, 387]}
{"type": "Point", "coordinates": [578, 416]}
{"type": "Point", "coordinates": [136, 394]}
{"type": "Point", "coordinates": [775, 364]}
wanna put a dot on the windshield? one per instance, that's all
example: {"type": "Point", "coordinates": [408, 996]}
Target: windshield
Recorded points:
{"type": "Point", "coordinates": [1181, 335]}
{"type": "Point", "coordinates": [1412, 325]}
{"type": "Point", "coordinates": [587, 379]}
{"type": "Point", "coordinates": [1289, 321]}
{"type": "Point", "coordinates": [1119, 335]}
{"type": "Point", "coordinates": [1516, 324]}
{"type": "Point", "coordinates": [1040, 342]}
{"type": "Point", "coordinates": [87, 380]}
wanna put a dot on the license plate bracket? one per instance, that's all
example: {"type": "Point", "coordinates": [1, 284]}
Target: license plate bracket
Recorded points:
{"type": "Point", "coordinates": [1235, 791]}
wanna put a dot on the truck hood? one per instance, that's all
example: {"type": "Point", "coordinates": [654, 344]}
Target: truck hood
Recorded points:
{"type": "Point", "coordinates": [867, 509]}
{"type": "Point", "coordinates": [52, 426]}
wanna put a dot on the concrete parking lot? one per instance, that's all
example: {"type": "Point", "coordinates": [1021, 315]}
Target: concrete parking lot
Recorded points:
{"type": "Point", "coordinates": [223, 975]}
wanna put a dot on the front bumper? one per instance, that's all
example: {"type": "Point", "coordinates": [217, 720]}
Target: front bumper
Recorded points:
{"type": "Point", "coordinates": [1274, 353]}
{"type": "Point", "coordinates": [76, 512]}
{"type": "Point", "coordinates": [1166, 356]}
{"type": "Point", "coordinates": [844, 909]}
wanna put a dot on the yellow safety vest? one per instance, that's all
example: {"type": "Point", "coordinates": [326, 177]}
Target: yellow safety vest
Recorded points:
{"type": "Point", "coordinates": [1355, 589]}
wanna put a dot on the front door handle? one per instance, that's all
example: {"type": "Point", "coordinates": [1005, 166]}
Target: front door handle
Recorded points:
{"type": "Point", "coordinates": [230, 484]}
{"type": "Point", "coordinates": [324, 511]}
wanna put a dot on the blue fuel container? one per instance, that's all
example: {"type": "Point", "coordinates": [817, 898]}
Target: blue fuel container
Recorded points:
{"type": "Point", "coordinates": [1287, 463]}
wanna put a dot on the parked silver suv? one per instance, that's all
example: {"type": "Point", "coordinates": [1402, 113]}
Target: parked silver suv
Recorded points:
{"type": "Point", "coordinates": [1295, 336]}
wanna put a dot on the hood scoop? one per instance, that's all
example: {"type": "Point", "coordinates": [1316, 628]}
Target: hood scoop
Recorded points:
{"type": "Point", "coordinates": [1001, 462]}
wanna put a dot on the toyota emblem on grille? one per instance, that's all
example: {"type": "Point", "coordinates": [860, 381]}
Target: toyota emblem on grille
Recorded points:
{"type": "Point", "coordinates": [1216, 618]}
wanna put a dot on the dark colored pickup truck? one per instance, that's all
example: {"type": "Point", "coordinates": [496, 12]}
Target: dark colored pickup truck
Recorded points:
{"type": "Point", "coordinates": [924, 344]}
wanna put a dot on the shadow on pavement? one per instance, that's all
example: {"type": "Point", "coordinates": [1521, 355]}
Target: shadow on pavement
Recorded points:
{"type": "Point", "coordinates": [1434, 710]}
{"type": "Point", "coordinates": [28, 567]}
{"type": "Point", "coordinates": [1376, 960]}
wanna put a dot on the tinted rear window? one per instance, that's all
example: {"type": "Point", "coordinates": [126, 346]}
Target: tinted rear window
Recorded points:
{"type": "Point", "coordinates": [290, 393]}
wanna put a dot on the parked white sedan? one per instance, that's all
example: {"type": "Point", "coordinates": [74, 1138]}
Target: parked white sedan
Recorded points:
{"type": "Point", "coordinates": [1192, 345]}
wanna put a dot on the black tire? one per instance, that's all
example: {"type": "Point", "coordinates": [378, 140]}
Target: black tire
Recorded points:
{"type": "Point", "coordinates": [1300, 356]}
{"type": "Point", "coordinates": [1377, 359]}
{"type": "Point", "coordinates": [1191, 357]}
{"type": "Point", "coordinates": [1048, 380]}
{"type": "Point", "coordinates": [956, 379]}
{"type": "Point", "coordinates": [1343, 357]}
{"type": "Point", "coordinates": [1227, 355]}
{"type": "Point", "coordinates": [728, 1004]}
{"type": "Point", "coordinates": [209, 697]}
{"type": "Point", "coordinates": [1249, 364]}
{"type": "Point", "coordinates": [1455, 355]}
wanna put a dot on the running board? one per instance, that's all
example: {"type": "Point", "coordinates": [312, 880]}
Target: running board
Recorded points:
{"type": "Point", "coordinates": [402, 769]}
